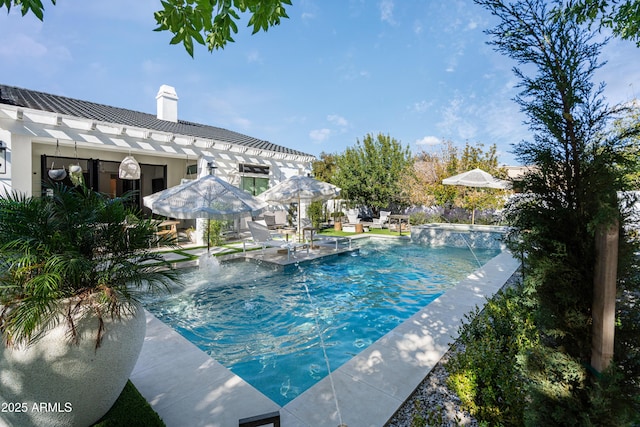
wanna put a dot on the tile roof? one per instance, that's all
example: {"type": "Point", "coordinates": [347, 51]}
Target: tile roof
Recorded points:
{"type": "Point", "coordinates": [104, 113]}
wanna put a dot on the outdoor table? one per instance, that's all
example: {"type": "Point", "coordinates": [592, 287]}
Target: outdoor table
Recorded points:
{"type": "Point", "coordinates": [399, 218]}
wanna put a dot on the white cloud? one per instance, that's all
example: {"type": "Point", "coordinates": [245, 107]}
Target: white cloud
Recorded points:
{"type": "Point", "coordinates": [242, 122]}
{"type": "Point", "coordinates": [454, 120]}
{"type": "Point", "coordinates": [319, 135]}
{"type": "Point", "coordinates": [150, 67]}
{"type": "Point", "coordinates": [386, 11]}
{"type": "Point", "coordinates": [254, 56]}
{"type": "Point", "coordinates": [421, 106]}
{"type": "Point", "coordinates": [21, 45]}
{"type": "Point", "coordinates": [417, 27]}
{"type": "Point", "coordinates": [337, 120]}
{"type": "Point", "coordinates": [428, 140]}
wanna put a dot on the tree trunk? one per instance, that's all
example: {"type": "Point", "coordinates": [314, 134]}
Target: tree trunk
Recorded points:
{"type": "Point", "coordinates": [604, 296]}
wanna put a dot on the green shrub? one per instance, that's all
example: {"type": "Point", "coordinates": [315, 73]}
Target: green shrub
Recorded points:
{"type": "Point", "coordinates": [315, 212]}
{"type": "Point", "coordinates": [215, 232]}
{"type": "Point", "coordinates": [488, 376]}
{"type": "Point", "coordinates": [131, 409]}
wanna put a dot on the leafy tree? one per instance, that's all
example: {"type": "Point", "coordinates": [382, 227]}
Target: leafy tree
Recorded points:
{"type": "Point", "coordinates": [207, 22]}
{"type": "Point", "coordinates": [324, 168]}
{"type": "Point", "coordinates": [579, 166]}
{"type": "Point", "coordinates": [623, 17]}
{"type": "Point", "coordinates": [623, 125]}
{"type": "Point", "coordinates": [213, 22]}
{"type": "Point", "coordinates": [424, 184]}
{"type": "Point", "coordinates": [371, 172]}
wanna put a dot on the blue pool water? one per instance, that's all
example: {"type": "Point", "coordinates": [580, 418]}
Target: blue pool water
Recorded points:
{"type": "Point", "coordinates": [261, 325]}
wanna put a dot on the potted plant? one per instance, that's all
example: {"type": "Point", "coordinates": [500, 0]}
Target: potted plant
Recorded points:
{"type": "Point", "coordinates": [337, 220]}
{"type": "Point", "coordinates": [72, 265]}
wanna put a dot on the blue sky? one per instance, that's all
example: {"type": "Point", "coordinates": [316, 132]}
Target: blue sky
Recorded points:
{"type": "Point", "coordinates": [419, 71]}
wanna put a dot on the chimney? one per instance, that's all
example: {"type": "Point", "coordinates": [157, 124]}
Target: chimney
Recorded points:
{"type": "Point", "coordinates": [167, 102]}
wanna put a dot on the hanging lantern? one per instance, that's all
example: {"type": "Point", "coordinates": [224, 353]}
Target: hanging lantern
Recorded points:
{"type": "Point", "coordinates": [57, 174]}
{"type": "Point", "coordinates": [129, 168]}
{"type": "Point", "coordinates": [75, 171]}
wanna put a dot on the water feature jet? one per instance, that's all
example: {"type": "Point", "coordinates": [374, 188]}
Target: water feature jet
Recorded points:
{"type": "Point", "coordinates": [208, 264]}
{"type": "Point", "coordinates": [324, 353]}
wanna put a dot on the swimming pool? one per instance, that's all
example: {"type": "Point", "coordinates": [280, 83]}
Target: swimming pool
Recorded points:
{"type": "Point", "coordinates": [260, 324]}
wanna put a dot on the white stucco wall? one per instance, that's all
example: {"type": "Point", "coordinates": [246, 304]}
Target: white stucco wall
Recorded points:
{"type": "Point", "coordinates": [20, 155]}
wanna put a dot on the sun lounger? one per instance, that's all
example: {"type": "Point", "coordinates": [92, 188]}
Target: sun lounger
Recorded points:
{"type": "Point", "coordinates": [261, 235]}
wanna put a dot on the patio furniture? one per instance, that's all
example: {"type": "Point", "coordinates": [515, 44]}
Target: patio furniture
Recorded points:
{"type": "Point", "coordinates": [168, 227]}
{"type": "Point", "coordinates": [352, 214]}
{"type": "Point", "coordinates": [299, 188]}
{"type": "Point", "coordinates": [261, 235]}
{"type": "Point", "coordinates": [399, 226]}
{"type": "Point", "coordinates": [381, 221]}
{"type": "Point", "coordinates": [207, 197]}
{"type": "Point", "coordinates": [275, 220]}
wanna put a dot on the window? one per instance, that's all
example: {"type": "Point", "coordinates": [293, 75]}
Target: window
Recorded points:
{"type": "Point", "coordinates": [254, 178]}
{"type": "Point", "coordinates": [253, 185]}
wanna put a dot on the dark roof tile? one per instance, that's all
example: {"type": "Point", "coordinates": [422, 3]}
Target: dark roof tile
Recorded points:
{"type": "Point", "coordinates": [32, 99]}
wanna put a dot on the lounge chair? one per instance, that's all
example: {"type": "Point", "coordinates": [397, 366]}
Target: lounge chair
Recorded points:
{"type": "Point", "coordinates": [270, 220]}
{"type": "Point", "coordinates": [275, 220]}
{"type": "Point", "coordinates": [352, 214]}
{"type": "Point", "coordinates": [380, 222]}
{"type": "Point", "coordinates": [261, 235]}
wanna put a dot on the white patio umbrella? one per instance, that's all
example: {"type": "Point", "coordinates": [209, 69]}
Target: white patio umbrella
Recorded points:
{"type": "Point", "coordinates": [206, 197]}
{"type": "Point", "coordinates": [298, 188]}
{"type": "Point", "coordinates": [477, 178]}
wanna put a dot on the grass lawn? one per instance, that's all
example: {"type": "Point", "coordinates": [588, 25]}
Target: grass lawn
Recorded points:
{"type": "Point", "coordinates": [131, 409]}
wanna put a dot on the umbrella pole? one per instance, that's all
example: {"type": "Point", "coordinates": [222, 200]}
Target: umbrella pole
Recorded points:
{"type": "Point", "coordinates": [299, 225]}
{"type": "Point", "coordinates": [208, 234]}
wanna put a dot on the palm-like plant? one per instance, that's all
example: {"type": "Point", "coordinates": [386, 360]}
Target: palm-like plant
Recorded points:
{"type": "Point", "coordinates": [75, 250]}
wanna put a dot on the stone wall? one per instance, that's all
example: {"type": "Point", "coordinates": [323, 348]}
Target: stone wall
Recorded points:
{"type": "Point", "coordinates": [460, 235]}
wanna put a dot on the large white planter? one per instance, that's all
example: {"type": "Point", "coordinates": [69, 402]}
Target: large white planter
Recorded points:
{"type": "Point", "coordinates": [55, 382]}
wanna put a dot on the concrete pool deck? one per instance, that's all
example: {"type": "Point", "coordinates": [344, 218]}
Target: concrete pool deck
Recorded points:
{"type": "Point", "coordinates": [187, 387]}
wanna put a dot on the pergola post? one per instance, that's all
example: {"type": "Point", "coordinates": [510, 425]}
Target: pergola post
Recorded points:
{"type": "Point", "coordinates": [604, 296]}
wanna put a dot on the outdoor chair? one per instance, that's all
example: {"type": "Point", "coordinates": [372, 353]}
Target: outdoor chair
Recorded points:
{"type": "Point", "coordinates": [352, 214]}
{"type": "Point", "coordinates": [275, 220]}
{"type": "Point", "coordinates": [261, 235]}
{"type": "Point", "coordinates": [270, 220]}
{"type": "Point", "coordinates": [380, 222]}
{"type": "Point", "coordinates": [281, 219]}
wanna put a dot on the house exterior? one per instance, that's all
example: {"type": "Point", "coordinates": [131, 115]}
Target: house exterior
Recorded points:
{"type": "Point", "coordinates": [40, 132]}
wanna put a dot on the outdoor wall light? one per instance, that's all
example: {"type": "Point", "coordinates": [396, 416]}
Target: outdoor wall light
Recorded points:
{"type": "Point", "coordinates": [3, 157]}
{"type": "Point", "coordinates": [211, 167]}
